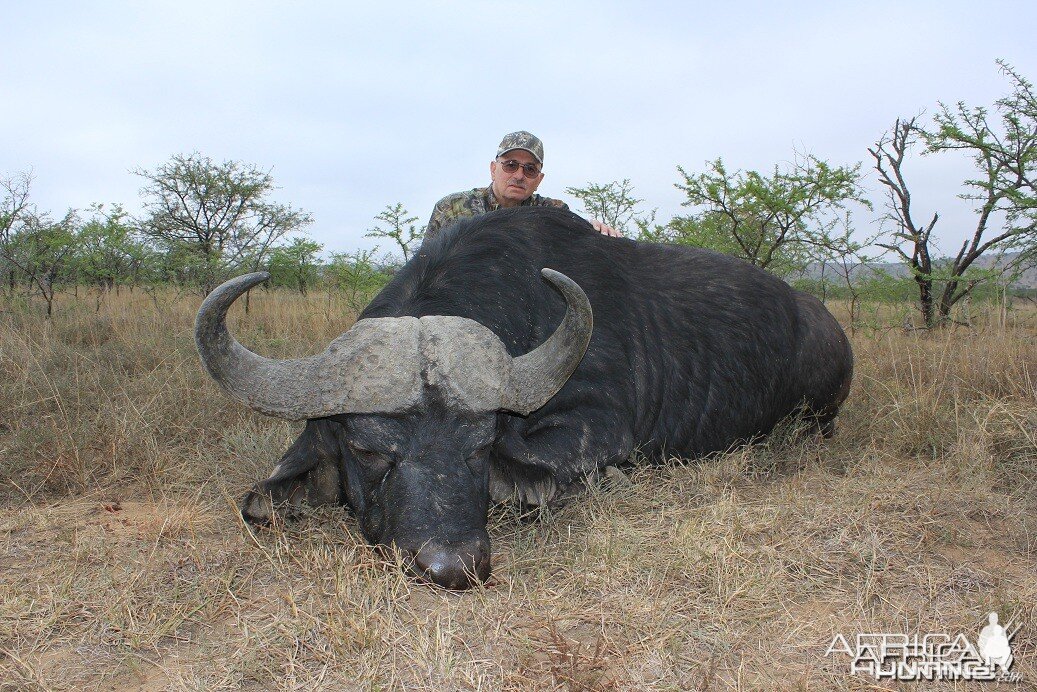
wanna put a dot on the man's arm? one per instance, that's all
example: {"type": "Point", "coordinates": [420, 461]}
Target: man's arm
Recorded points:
{"type": "Point", "coordinates": [451, 208]}
{"type": "Point", "coordinates": [436, 221]}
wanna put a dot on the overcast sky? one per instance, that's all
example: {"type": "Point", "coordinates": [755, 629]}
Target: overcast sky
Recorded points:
{"type": "Point", "coordinates": [356, 105]}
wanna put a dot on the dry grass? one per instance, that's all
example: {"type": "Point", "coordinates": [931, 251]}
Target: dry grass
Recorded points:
{"type": "Point", "coordinates": [124, 565]}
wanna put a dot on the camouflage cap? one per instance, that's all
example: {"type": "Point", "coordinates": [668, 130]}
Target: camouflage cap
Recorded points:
{"type": "Point", "coordinates": [525, 141]}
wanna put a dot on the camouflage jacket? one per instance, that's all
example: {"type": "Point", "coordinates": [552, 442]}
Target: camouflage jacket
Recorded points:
{"type": "Point", "coordinates": [473, 203]}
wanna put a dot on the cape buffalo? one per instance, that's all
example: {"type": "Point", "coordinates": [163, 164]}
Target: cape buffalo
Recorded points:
{"type": "Point", "coordinates": [470, 379]}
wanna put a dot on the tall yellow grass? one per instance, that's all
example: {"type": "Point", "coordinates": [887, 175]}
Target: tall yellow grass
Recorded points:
{"type": "Point", "coordinates": [123, 563]}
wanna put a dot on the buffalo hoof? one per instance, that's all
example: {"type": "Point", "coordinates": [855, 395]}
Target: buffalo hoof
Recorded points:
{"type": "Point", "coordinates": [262, 508]}
{"type": "Point", "coordinates": [257, 509]}
{"type": "Point", "coordinates": [454, 565]}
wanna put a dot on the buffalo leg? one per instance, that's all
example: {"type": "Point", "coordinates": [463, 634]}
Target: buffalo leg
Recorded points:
{"type": "Point", "coordinates": [308, 473]}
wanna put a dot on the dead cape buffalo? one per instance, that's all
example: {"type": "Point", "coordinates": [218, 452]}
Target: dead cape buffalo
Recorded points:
{"type": "Point", "coordinates": [470, 378]}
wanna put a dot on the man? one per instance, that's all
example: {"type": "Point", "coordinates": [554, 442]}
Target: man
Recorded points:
{"type": "Point", "coordinates": [515, 175]}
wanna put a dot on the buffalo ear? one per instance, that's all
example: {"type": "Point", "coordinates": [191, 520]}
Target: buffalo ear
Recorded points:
{"type": "Point", "coordinates": [538, 375]}
{"type": "Point", "coordinates": [309, 473]}
{"type": "Point", "coordinates": [517, 474]}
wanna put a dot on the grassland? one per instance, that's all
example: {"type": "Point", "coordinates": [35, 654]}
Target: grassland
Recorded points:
{"type": "Point", "coordinates": [123, 563]}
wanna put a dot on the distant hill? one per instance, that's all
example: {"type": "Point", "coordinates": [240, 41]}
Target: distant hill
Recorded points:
{"type": "Point", "coordinates": [1028, 280]}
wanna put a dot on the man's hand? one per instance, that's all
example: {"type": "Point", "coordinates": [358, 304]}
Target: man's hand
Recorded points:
{"type": "Point", "coordinates": [605, 229]}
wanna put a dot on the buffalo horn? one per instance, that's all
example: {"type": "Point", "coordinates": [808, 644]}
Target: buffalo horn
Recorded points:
{"type": "Point", "coordinates": [355, 374]}
{"type": "Point", "coordinates": [538, 375]}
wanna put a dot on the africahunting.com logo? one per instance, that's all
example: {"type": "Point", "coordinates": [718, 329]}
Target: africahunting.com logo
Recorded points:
{"type": "Point", "coordinates": [932, 656]}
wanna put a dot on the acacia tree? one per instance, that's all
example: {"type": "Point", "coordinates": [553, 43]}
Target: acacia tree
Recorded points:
{"type": "Point", "coordinates": [215, 218]}
{"type": "Point", "coordinates": [356, 275]}
{"type": "Point", "coordinates": [843, 263]}
{"type": "Point", "coordinates": [399, 227]}
{"type": "Point", "coordinates": [295, 264]}
{"type": "Point", "coordinates": [43, 250]}
{"type": "Point", "coordinates": [911, 240]}
{"type": "Point", "coordinates": [614, 204]}
{"type": "Point", "coordinates": [33, 247]}
{"type": "Point", "coordinates": [707, 229]}
{"type": "Point", "coordinates": [109, 253]}
{"type": "Point", "coordinates": [14, 209]}
{"type": "Point", "coordinates": [1004, 193]}
{"type": "Point", "coordinates": [770, 221]}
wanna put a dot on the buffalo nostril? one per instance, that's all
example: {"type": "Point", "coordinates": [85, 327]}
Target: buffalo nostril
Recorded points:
{"type": "Point", "coordinates": [453, 565]}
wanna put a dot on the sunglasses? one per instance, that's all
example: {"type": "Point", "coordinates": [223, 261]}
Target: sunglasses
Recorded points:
{"type": "Point", "coordinates": [530, 170]}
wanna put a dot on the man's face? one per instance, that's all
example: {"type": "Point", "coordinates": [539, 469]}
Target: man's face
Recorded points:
{"type": "Point", "coordinates": [511, 189]}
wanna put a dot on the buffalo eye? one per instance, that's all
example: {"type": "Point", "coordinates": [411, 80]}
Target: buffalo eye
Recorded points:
{"type": "Point", "coordinates": [376, 461]}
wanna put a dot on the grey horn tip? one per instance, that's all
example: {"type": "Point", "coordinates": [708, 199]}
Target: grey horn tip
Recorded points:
{"type": "Point", "coordinates": [554, 277]}
{"type": "Point", "coordinates": [254, 278]}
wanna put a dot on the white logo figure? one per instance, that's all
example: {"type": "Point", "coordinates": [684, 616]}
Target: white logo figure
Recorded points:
{"type": "Point", "coordinates": [993, 644]}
